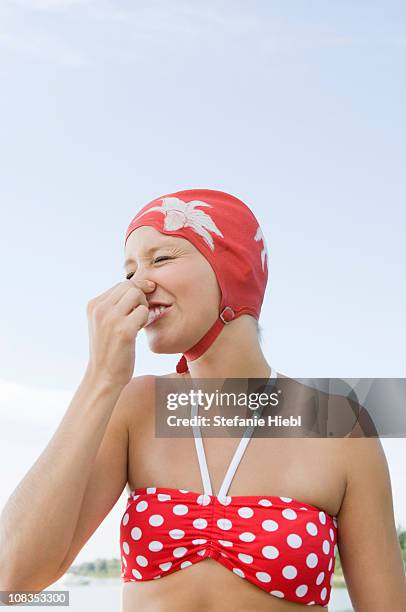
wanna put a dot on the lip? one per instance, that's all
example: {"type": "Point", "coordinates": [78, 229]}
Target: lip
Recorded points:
{"type": "Point", "coordinates": [162, 314]}
{"type": "Point", "coordinates": [155, 304]}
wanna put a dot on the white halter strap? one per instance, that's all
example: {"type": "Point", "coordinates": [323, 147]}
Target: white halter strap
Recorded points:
{"type": "Point", "coordinates": [235, 461]}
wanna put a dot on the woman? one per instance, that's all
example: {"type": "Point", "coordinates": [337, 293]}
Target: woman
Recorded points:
{"type": "Point", "coordinates": [206, 526]}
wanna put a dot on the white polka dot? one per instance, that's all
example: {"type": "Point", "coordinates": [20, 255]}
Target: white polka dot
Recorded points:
{"type": "Point", "coordinates": [326, 547]}
{"type": "Point", "coordinates": [163, 497]}
{"type": "Point", "coordinates": [155, 546]}
{"type": "Point", "coordinates": [141, 560]}
{"type": "Point", "coordinates": [199, 523]}
{"type": "Point", "coordinates": [201, 552]}
{"type": "Point", "coordinates": [136, 533]}
{"type": "Point", "coordinates": [183, 490]}
{"type": "Point", "coordinates": [151, 490]}
{"type": "Point", "coordinates": [123, 559]}
{"type": "Point", "coordinates": [180, 509]}
{"type": "Point", "coordinates": [203, 500]}
{"type": "Point", "coordinates": [156, 520]}
{"type": "Point", "coordinates": [263, 576]}
{"type": "Point", "coordinates": [224, 500]}
{"type": "Point", "coordinates": [126, 518]}
{"type": "Point", "coordinates": [247, 536]}
{"type": "Point", "coordinates": [245, 558]}
{"type": "Point", "coordinates": [311, 528]}
{"type": "Point", "coordinates": [126, 548]}
{"type": "Point", "coordinates": [320, 578]}
{"type": "Point", "coordinates": [312, 560]}
{"type": "Point", "coordinates": [286, 499]}
{"type": "Point", "coordinates": [294, 540]}
{"type": "Point", "coordinates": [302, 590]}
{"type": "Point", "coordinates": [277, 593]}
{"type": "Point", "coordinates": [265, 502]}
{"type": "Point", "coordinates": [141, 506]}
{"type": "Point", "coordinates": [135, 497]}
{"type": "Point", "coordinates": [165, 566]}
{"type": "Point", "coordinates": [270, 552]}
{"type": "Point", "coordinates": [225, 543]}
{"type": "Point", "coordinates": [224, 524]}
{"type": "Point", "coordinates": [290, 514]}
{"type": "Point", "coordinates": [185, 564]}
{"type": "Point", "coordinates": [199, 541]}
{"type": "Point", "coordinates": [136, 574]}
{"type": "Point", "coordinates": [270, 525]}
{"type": "Point", "coordinates": [245, 512]}
{"type": "Point", "coordinates": [323, 593]}
{"type": "Point", "coordinates": [180, 551]}
{"type": "Point", "coordinates": [311, 603]}
{"type": "Point", "coordinates": [330, 563]}
{"type": "Point", "coordinates": [322, 518]}
{"type": "Point", "coordinates": [331, 534]}
{"type": "Point", "coordinates": [239, 572]}
{"type": "Point", "coordinates": [156, 577]}
{"type": "Point", "coordinates": [176, 534]}
{"type": "Point", "coordinates": [289, 571]}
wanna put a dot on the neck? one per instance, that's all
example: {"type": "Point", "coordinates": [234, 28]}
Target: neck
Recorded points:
{"type": "Point", "coordinates": [235, 353]}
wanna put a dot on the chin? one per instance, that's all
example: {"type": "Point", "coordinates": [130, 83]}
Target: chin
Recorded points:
{"type": "Point", "coordinates": [159, 343]}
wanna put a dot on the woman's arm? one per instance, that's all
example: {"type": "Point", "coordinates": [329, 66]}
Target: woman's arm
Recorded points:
{"type": "Point", "coordinates": [110, 469]}
{"type": "Point", "coordinates": [38, 521]}
{"type": "Point", "coordinates": [367, 540]}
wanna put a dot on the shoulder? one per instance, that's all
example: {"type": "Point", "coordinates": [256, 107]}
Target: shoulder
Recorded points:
{"type": "Point", "coordinates": [138, 396]}
{"type": "Point", "coordinates": [135, 397]}
{"type": "Point", "coordinates": [365, 458]}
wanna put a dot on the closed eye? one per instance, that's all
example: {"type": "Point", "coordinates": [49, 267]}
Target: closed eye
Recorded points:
{"type": "Point", "coordinates": [156, 260]}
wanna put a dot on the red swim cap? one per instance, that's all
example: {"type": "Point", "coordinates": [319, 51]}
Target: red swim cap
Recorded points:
{"type": "Point", "coordinates": [227, 233]}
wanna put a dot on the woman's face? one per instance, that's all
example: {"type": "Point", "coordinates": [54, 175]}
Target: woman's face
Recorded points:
{"type": "Point", "coordinates": [184, 280]}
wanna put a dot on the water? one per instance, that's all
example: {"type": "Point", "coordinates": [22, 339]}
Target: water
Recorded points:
{"type": "Point", "coordinates": [104, 595]}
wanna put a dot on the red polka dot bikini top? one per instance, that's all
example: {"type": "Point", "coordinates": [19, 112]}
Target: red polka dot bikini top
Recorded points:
{"type": "Point", "coordinates": [281, 545]}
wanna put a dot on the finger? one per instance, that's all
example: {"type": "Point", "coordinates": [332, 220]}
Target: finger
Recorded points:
{"type": "Point", "coordinates": [133, 298]}
{"type": "Point", "coordinates": [115, 294]}
{"type": "Point", "coordinates": [138, 318]}
{"type": "Point", "coordinates": [105, 294]}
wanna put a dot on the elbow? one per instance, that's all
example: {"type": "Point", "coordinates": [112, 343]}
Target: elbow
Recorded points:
{"type": "Point", "coordinates": [7, 577]}
{"type": "Point", "coordinates": [11, 579]}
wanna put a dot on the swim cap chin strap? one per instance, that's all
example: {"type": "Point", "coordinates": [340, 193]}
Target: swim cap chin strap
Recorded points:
{"type": "Point", "coordinates": [226, 315]}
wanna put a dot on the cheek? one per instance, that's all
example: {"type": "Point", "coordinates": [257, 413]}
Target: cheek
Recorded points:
{"type": "Point", "coordinates": [193, 287]}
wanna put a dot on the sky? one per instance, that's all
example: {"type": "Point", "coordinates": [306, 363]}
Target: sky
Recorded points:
{"type": "Point", "coordinates": [296, 108]}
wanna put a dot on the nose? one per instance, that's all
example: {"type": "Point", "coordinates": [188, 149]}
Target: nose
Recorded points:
{"type": "Point", "coordinates": [140, 279]}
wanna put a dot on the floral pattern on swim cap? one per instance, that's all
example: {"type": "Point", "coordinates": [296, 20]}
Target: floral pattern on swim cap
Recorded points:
{"type": "Point", "coordinates": [180, 214]}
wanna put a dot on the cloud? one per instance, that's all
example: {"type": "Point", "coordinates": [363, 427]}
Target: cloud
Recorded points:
{"type": "Point", "coordinates": [32, 405]}
{"type": "Point", "coordinates": [50, 5]}
{"type": "Point", "coordinates": [34, 29]}
{"type": "Point", "coordinates": [79, 32]}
